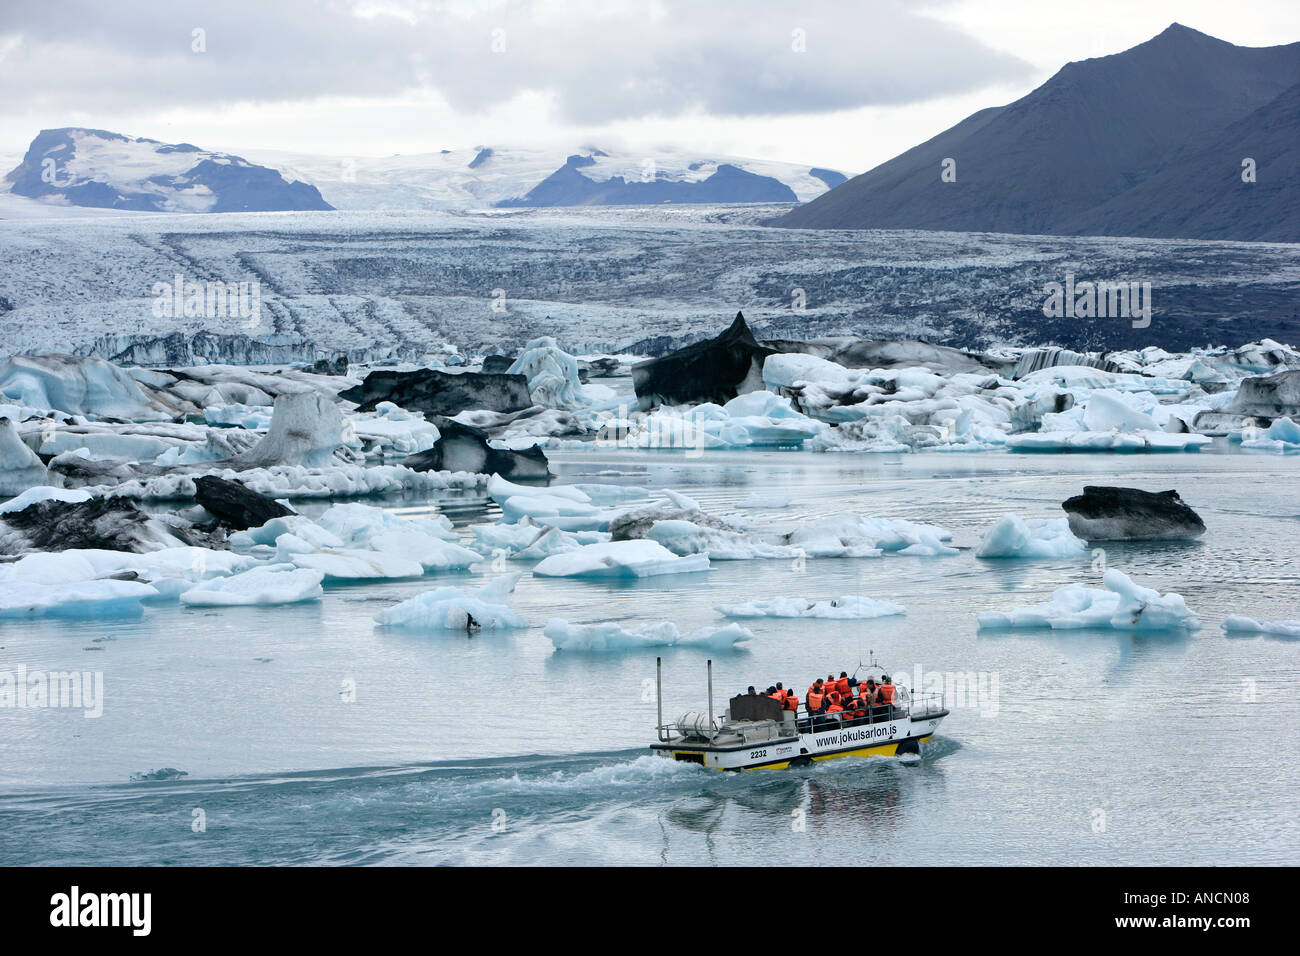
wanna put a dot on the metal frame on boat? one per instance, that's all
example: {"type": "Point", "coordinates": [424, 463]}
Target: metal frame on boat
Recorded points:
{"type": "Point", "coordinates": [760, 735]}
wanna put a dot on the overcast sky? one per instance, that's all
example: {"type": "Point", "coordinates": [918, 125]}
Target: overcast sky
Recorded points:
{"type": "Point", "coordinates": [842, 84]}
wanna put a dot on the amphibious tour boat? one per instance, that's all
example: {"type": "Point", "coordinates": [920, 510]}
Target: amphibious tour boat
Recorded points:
{"type": "Point", "coordinates": [758, 732]}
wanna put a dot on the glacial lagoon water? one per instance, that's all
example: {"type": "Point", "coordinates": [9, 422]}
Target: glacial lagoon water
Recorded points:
{"type": "Point", "coordinates": [1092, 747]}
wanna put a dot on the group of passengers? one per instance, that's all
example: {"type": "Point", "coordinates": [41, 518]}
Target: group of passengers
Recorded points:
{"type": "Point", "coordinates": [840, 700]}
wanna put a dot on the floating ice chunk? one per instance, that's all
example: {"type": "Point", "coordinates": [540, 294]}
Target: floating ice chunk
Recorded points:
{"type": "Point", "coordinates": [1282, 435]}
{"type": "Point", "coordinates": [392, 430]}
{"type": "Point", "coordinates": [356, 525]}
{"type": "Point", "coordinates": [856, 536]}
{"type": "Point", "coordinates": [850, 607]}
{"type": "Point", "coordinates": [681, 500]}
{"type": "Point", "coordinates": [1106, 441]}
{"type": "Point", "coordinates": [1246, 625]}
{"type": "Point", "coordinates": [600, 638]}
{"type": "Point", "coordinates": [78, 385]}
{"type": "Point", "coordinates": [552, 374]}
{"type": "Point", "coordinates": [42, 493]}
{"type": "Point", "coordinates": [1016, 537]}
{"type": "Point", "coordinates": [456, 609]}
{"type": "Point", "coordinates": [1122, 605]}
{"type": "Point", "coordinates": [238, 416]}
{"type": "Point", "coordinates": [274, 584]}
{"type": "Point", "coordinates": [355, 565]}
{"type": "Point", "coordinates": [20, 468]}
{"type": "Point", "coordinates": [434, 554]}
{"type": "Point", "coordinates": [88, 599]}
{"type": "Point", "coordinates": [686, 537]}
{"type": "Point", "coordinates": [630, 559]}
{"type": "Point", "coordinates": [306, 429]}
{"type": "Point", "coordinates": [303, 528]}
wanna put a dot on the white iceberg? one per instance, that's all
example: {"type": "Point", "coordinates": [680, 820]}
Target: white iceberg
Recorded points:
{"type": "Point", "coordinates": [850, 607]}
{"type": "Point", "coordinates": [20, 468]}
{"type": "Point", "coordinates": [1247, 625]}
{"type": "Point", "coordinates": [42, 493]}
{"type": "Point", "coordinates": [1122, 605]}
{"type": "Point", "coordinates": [685, 537]}
{"type": "Point", "coordinates": [625, 559]}
{"type": "Point", "coordinates": [353, 564]}
{"type": "Point", "coordinates": [1016, 537]}
{"type": "Point", "coordinates": [81, 599]}
{"type": "Point", "coordinates": [275, 584]}
{"type": "Point", "coordinates": [457, 609]}
{"type": "Point", "coordinates": [613, 636]}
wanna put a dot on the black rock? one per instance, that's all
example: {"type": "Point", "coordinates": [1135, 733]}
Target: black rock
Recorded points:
{"type": "Point", "coordinates": [335, 366]}
{"type": "Point", "coordinates": [436, 392]}
{"type": "Point", "coordinates": [1103, 513]}
{"type": "Point", "coordinates": [465, 448]}
{"type": "Point", "coordinates": [235, 506]}
{"type": "Point", "coordinates": [715, 370]}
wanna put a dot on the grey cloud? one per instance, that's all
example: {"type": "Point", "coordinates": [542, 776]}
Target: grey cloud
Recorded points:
{"type": "Point", "coordinates": [599, 62]}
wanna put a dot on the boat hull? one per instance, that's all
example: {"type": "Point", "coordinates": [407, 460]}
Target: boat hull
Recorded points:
{"type": "Point", "coordinates": [880, 739]}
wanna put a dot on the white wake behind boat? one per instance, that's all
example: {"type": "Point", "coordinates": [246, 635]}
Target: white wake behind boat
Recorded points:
{"type": "Point", "coordinates": [755, 732]}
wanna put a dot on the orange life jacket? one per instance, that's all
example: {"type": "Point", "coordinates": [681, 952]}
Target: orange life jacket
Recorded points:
{"type": "Point", "coordinates": [886, 693]}
{"type": "Point", "coordinates": [834, 709]}
{"type": "Point", "coordinates": [791, 702]}
{"type": "Point", "coordinates": [866, 696]}
{"type": "Point", "coordinates": [814, 700]}
{"type": "Point", "coordinates": [843, 686]}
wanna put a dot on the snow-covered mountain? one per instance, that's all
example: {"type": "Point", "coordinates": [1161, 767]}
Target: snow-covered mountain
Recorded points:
{"type": "Point", "coordinates": [93, 167]}
{"type": "Point", "coordinates": [548, 176]}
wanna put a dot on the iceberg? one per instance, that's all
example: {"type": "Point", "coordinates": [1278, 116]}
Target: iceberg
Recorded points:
{"type": "Point", "coordinates": [842, 608]}
{"type": "Point", "coordinates": [1121, 605]}
{"type": "Point", "coordinates": [609, 637]}
{"type": "Point", "coordinates": [620, 559]}
{"type": "Point", "coordinates": [357, 565]}
{"type": "Point", "coordinates": [1246, 625]}
{"type": "Point", "coordinates": [20, 468]}
{"type": "Point", "coordinates": [43, 493]}
{"type": "Point", "coordinates": [1016, 537]}
{"type": "Point", "coordinates": [552, 374]}
{"type": "Point", "coordinates": [685, 537]}
{"type": "Point", "coordinates": [306, 429]}
{"type": "Point", "coordinates": [457, 609]}
{"type": "Point", "coordinates": [274, 584]}
{"type": "Point", "coordinates": [83, 599]}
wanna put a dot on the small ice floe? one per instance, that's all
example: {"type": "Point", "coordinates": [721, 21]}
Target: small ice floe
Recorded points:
{"type": "Point", "coordinates": [1282, 435]}
{"type": "Point", "coordinates": [850, 607]}
{"type": "Point", "coordinates": [620, 559]}
{"type": "Point", "coordinates": [274, 584]}
{"type": "Point", "coordinates": [617, 637]}
{"type": "Point", "coordinates": [1121, 605]}
{"type": "Point", "coordinates": [1248, 625]}
{"type": "Point", "coordinates": [355, 564]}
{"type": "Point", "coordinates": [1016, 537]}
{"type": "Point", "coordinates": [1105, 513]}
{"type": "Point", "coordinates": [43, 493]}
{"type": "Point", "coordinates": [87, 599]}
{"type": "Point", "coordinates": [686, 537]}
{"type": "Point", "coordinates": [457, 609]}
{"type": "Point", "coordinates": [855, 536]}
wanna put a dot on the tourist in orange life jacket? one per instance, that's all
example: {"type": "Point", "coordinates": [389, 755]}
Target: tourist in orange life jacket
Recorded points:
{"type": "Point", "coordinates": [791, 701]}
{"type": "Point", "coordinates": [835, 707]}
{"type": "Point", "coordinates": [772, 692]}
{"type": "Point", "coordinates": [868, 693]}
{"type": "Point", "coordinates": [885, 693]}
{"type": "Point", "coordinates": [842, 685]}
{"type": "Point", "coordinates": [781, 691]}
{"type": "Point", "coordinates": [816, 697]}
